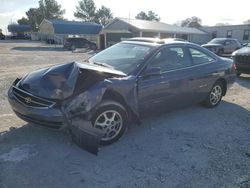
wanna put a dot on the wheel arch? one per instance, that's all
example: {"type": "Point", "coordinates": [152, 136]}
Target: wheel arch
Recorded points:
{"type": "Point", "coordinates": [111, 95]}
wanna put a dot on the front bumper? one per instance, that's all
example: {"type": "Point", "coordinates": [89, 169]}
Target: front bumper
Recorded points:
{"type": "Point", "coordinates": [51, 116]}
{"type": "Point", "coordinates": [82, 131]}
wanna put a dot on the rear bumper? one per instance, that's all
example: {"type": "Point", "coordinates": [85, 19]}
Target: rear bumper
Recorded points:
{"type": "Point", "coordinates": [51, 117]}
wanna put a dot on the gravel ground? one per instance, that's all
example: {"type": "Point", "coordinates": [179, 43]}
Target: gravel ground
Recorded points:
{"type": "Point", "coordinates": [191, 147]}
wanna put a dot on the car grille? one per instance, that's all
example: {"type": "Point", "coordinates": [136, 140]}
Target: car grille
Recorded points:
{"type": "Point", "coordinates": [243, 59]}
{"type": "Point", "coordinates": [31, 100]}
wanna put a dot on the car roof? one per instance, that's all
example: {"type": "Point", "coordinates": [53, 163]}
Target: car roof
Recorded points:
{"type": "Point", "coordinates": [225, 39]}
{"type": "Point", "coordinates": [155, 41]}
{"type": "Point", "coordinates": [151, 42]}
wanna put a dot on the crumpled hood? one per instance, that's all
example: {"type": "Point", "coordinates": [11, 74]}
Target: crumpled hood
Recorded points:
{"type": "Point", "coordinates": [242, 51]}
{"type": "Point", "coordinates": [60, 81]}
{"type": "Point", "coordinates": [211, 45]}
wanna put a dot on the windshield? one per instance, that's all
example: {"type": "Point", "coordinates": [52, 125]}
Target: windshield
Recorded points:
{"type": "Point", "coordinates": [217, 41]}
{"type": "Point", "coordinates": [122, 56]}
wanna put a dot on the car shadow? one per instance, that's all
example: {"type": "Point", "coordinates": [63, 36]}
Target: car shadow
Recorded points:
{"type": "Point", "coordinates": [41, 48]}
{"type": "Point", "coordinates": [18, 41]}
{"type": "Point", "coordinates": [171, 149]}
{"type": "Point", "coordinates": [244, 80]}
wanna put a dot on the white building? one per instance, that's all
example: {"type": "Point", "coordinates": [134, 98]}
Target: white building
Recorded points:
{"type": "Point", "coordinates": [125, 28]}
{"type": "Point", "coordinates": [240, 32]}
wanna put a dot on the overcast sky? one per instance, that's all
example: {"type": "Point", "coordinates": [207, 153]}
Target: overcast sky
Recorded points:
{"type": "Point", "coordinates": [210, 11]}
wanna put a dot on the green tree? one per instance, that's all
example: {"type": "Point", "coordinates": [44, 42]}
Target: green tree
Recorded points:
{"type": "Point", "coordinates": [48, 9]}
{"type": "Point", "coordinates": [86, 11]}
{"type": "Point", "coordinates": [103, 15]}
{"type": "Point", "coordinates": [148, 16]}
{"type": "Point", "coordinates": [23, 21]}
{"type": "Point", "coordinates": [153, 16]}
{"type": "Point", "coordinates": [191, 22]}
{"type": "Point", "coordinates": [35, 18]}
{"type": "Point", "coordinates": [141, 16]}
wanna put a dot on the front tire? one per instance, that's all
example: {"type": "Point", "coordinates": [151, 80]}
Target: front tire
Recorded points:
{"type": "Point", "coordinates": [215, 95]}
{"type": "Point", "coordinates": [111, 117]}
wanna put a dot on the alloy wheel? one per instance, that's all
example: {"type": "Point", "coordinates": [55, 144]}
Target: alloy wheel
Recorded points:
{"type": "Point", "coordinates": [110, 122]}
{"type": "Point", "coordinates": [215, 95]}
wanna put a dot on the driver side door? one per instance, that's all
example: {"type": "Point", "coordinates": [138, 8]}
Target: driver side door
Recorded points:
{"type": "Point", "coordinates": [169, 88]}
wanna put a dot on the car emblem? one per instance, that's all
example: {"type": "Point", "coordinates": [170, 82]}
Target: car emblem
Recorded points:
{"type": "Point", "coordinates": [28, 100]}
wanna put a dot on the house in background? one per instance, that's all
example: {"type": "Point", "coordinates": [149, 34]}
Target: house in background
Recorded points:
{"type": "Point", "coordinates": [58, 30]}
{"type": "Point", "coordinates": [120, 28]}
{"type": "Point", "coordinates": [19, 31]}
{"type": "Point", "coordinates": [240, 32]}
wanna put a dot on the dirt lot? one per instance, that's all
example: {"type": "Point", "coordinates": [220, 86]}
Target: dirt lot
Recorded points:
{"type": "Point", "coordinates": [192, 147]}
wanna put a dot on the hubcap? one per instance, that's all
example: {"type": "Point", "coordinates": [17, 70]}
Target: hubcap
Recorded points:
{"type": "Point", "coordinates": [215, 95]}
{"type": "Point", "coordinates": [110, 122]}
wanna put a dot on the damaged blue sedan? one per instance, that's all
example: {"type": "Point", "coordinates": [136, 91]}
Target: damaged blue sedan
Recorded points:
{"type": "Point", "coordinates": [117, 85]}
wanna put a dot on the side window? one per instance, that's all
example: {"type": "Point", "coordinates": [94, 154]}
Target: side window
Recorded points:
{"type": "Point", "coordinates": [84, 41]}
{"type": "Point", "coordinates": [233, 42]}
{"type": "Point", "coordinates": [170, 58]}
{"type": "Point", "coordinates": [199, 57]}
{"type": "Point", "coordinates": [228, 42]}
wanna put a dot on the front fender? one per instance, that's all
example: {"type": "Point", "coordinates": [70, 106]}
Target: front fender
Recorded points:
{"type": "Point", "coordinates": [84, 103]}
{"type": "Point", "coordinates": [87, 102]}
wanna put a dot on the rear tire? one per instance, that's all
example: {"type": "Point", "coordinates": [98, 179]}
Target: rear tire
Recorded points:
{"type": "Point", "coordinates": [111, 117]}
{"type": "Point", "coordinates": [215, 95]}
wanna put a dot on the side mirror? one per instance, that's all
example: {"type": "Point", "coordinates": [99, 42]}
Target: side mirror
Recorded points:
{"type": "Point", "coordinates": [152, 71]}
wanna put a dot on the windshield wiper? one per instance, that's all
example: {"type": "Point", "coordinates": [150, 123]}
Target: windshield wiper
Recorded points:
{"type": "Point", "coordinates": [103, 65]}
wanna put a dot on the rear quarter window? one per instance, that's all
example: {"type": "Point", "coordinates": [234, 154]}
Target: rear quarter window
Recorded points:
{"type": "Point", "coordinates": [198, 57]}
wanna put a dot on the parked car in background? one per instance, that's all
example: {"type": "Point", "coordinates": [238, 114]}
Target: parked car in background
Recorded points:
{"type": "Point", "coordinates": [120, 83]}
{"type": "Point", "coordinates": [241, 59]}
{"type": "Point", "coordinates": [222, 46]}
{"type": "Point", "coordinates": [73, 43]}
{"type": "Point", "coordinates": [20, 36]}
{"type": "Point", "coordinates": [50, 41]}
